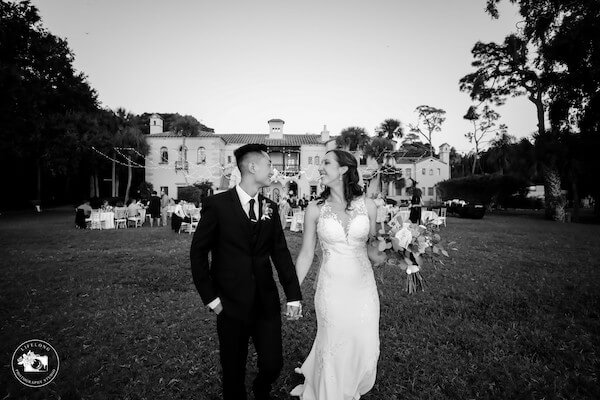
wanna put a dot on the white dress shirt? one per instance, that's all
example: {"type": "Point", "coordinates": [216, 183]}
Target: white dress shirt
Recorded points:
{"type": "Point", "coordinates": [245, 200]}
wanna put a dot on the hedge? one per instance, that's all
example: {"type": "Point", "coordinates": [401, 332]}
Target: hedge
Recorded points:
{"type": "Point", "coordinates": [483, 189]}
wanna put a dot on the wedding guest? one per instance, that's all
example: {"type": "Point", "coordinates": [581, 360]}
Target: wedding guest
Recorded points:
{"type": "Point", "coordinates": [381, 210]}
{"type": "Point", "coordinates": [106, 207]}
{"type": "Point", "coordinates": [133, 209]}
{"type": "Point", "coordinates": [154, 208]}
{"type": "Point", "coordinates": [284, 209]}
{"type": "Point", "coordinates": [81, 213]}
{"type": "Point", "coordinates": [303, 202]}
{"type": "Point", "coordinates": [164, 206]}
{"type": "Point", "coordinates": [179, 216]}
{"type": "Point", "coordinates": [415, 204]}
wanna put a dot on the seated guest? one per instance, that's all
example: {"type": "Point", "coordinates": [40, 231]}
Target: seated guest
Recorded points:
{"type": "Point", "coordinates": [133, 208]}
{"type": "Point", "coordinates": [87, 209]}
{"type": "Point", "coordinates": [81, 213]}
{"type": "Point", "coordinates": [106, 207]}
{"type": "Point", "coordinates": [179, 216]}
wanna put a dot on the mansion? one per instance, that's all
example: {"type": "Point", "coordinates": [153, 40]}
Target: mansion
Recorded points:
{"type": "Point", "coordinates": [174, 162]}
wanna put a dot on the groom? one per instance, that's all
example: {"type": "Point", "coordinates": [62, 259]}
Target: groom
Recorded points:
{"type": "Point", "coordinates": [241, 230]}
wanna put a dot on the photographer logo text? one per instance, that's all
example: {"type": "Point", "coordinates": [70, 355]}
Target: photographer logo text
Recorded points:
{"type": "Point", "coordinates": [35, 363]}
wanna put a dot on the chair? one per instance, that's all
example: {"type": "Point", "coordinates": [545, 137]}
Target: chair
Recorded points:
{"type": "Point", "coordinates": [95, 221]}
{"type": "Point", "coordinates": [134, 216]}
{"type": "Point", "coordinates": [195, 217]}
{"type": "Point", "coordinates": [80, 219]}
{"type": "Point", "coordinates": [120, 217]}
{"type": "Point", "coordinates": [442, 216]}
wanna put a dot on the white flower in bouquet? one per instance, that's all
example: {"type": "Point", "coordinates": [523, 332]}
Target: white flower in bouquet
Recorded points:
{"type": "Point", "coordinates": [404, 237]}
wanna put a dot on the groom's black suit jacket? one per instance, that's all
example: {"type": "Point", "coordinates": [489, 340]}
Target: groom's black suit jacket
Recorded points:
{"type": "Point", "coordinates": [240, 272]}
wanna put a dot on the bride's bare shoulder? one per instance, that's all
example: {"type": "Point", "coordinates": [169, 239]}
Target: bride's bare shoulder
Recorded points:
{"type": "Point", "coordinates": [313, 209]}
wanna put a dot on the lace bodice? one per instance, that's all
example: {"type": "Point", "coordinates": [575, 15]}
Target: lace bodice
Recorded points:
{"type": "Point", "coordinates": [348, 238]}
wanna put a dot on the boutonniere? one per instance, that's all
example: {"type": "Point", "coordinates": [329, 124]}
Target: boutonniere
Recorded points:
{"type": "Point", "coordinates": [266, 211]}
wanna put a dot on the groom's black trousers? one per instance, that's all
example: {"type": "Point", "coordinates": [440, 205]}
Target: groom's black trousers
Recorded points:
{"type": "Point", "coordinates": [234, 335]}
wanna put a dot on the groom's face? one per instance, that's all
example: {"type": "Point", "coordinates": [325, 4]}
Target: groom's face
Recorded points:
{"type": "Point", "coordinates": [263, 170]}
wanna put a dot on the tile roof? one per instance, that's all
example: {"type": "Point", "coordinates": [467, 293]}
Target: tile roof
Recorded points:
{"type": "Point", "coordinates": [288, 140]}
{"type": "Point", "coordinates": [173, 134]}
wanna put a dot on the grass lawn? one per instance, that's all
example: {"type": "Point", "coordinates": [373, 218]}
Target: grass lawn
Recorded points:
{"type": "Point", "coordinates": [513, 315]}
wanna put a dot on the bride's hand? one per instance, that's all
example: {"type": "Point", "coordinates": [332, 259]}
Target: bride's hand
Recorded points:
{"type": "Point", "coordinates": [377, 257]}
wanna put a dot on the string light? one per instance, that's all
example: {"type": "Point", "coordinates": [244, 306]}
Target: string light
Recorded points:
{"type": "Point", "coordinates": [217, 171]}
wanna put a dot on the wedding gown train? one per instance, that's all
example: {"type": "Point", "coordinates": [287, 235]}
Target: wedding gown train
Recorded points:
{"type": "Point", "coordinates": [342, 364]}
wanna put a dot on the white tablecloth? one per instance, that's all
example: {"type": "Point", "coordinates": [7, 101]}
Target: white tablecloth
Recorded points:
{"type": "Point", "coordinates": [425, 215]}
{"type": "Point", "coordinates": [107, 220]}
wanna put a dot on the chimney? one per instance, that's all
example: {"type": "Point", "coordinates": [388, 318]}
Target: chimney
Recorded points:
{"type": "Point", "coordinates": [276, 128]}
{"type": "Point", "coordinates": [324, 134]}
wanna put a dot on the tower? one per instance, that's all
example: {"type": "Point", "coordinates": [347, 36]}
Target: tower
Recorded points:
{"type": "Point", "coordinates": [324, 134]}
{"type": "Point", "coordinates": [445, 153]}
{"type": "Point", "coordinates": [156, 124]}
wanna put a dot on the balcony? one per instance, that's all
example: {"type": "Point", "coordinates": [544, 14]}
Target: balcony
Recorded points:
{"type": "Point", "coordinates": [287, 169]}
{"type": "Point", "coordinates": [181, 165]}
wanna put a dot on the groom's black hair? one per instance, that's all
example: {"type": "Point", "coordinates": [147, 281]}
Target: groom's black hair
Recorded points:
{"type": "Point", "coordinates": [241, 152]}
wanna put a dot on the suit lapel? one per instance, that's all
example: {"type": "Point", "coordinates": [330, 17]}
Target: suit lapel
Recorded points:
{"type": "Point", "coordinates": [261, 222]}
{"type": "Point", "coordinates": [239, 212]}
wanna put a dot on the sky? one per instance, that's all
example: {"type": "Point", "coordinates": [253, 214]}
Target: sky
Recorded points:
{"type": "Point", "coordinates": [236, 64]}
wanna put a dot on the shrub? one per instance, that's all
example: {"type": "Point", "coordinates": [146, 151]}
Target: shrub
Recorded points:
{"type": "Point", "coordinates": [483, 189]}
{"type": "Point", "coordinates": [190, 194]}
{"type": "Point", "coordinates": [205, 188]}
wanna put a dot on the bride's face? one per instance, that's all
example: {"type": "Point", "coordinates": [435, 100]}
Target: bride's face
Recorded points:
{"type": "Point", "coordinates": [330, 170]}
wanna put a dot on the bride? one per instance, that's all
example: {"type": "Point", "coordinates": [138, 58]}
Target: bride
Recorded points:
{"type": "Point", "coordinates": [342, 364]}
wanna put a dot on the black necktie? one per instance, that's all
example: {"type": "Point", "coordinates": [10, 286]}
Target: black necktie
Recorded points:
{"type": "Point", "coordinates": [252, 214]}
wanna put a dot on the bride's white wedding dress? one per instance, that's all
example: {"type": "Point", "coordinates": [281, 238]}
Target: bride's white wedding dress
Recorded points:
{"type": "Point", "coordinates": [342, 364]}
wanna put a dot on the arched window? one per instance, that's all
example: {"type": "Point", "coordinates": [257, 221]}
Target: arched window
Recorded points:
{"type": "Point", "coordinates": [164, 155]}
{"type": "Point", "coordinates": [201, 155]}
{"type": "Point", "coordinates": [362, 160]}
{"type": "Point", "coordinates": [431, 171]}
{"type": "Point", "coordinates": [182, 153]}
{"type": "Point", "coordinates": [309, 160]}
{"type": "Point", "coordinates": [317, 161]}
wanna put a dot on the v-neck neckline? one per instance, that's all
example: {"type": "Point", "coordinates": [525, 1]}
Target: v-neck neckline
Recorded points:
{"type": "Point", "coordinates": [337, 218]}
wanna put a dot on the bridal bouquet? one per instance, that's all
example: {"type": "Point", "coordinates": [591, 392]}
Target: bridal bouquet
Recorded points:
{"type": "Point", "coordinates": [407, 246]}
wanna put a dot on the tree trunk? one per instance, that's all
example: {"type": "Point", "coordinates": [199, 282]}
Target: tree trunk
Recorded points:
{"type": "Point", "coordinates": [117, 183]}
{"type": "Point", "coordinates": [91, 185]}
{"type": "Point", "coordinates": [112, 182]}
{"type": "Point", "coordinates": [555, 203]}
{"type": "Point", "coordinates": [574, 187]}
{"type": "Point", "coordinates": [96, 184]}
{"type": "Point", "coordinates": [129, 176]}
{"type": "Point", "coordinates": [39, 182]}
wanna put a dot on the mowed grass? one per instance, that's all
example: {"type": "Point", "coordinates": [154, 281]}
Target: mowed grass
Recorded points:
{"type": "Point", "coordinates": [514, 314]}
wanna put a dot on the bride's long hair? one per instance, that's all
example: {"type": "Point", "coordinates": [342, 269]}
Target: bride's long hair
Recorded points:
{"type": "Point", "coordinates": [350, 178]}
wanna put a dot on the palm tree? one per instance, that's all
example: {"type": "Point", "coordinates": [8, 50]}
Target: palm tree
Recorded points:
{"type": "Point", "coordinates": [352, 139]}
{"type": "Point", "coordinates": [391, 129]}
